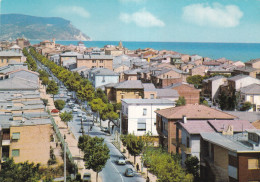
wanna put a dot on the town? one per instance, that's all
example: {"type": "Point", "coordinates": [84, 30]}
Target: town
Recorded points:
{"type": "Point", "coordinates": [80, 113]}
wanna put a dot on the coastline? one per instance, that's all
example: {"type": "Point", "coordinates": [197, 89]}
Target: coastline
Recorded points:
{"type": "Point", "coordinates": [232, 51]}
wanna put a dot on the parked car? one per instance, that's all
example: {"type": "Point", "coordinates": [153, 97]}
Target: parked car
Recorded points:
{"type": "Point", "coordinates": [79, 114]}
{"type": "Point", "coordinates": [86, 177]}
{"type": "Point", "coordinates": [84, 118]}
{"type": "Point", "coordinates": [129, 172]}
{"type": "Point", "coordinates": [75, 109]}
{"type": "Point", "coordinates": [121, 161]}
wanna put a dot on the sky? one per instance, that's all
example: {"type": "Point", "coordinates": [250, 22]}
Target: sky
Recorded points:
{"type": "Point", "coordinates": [152, 20]}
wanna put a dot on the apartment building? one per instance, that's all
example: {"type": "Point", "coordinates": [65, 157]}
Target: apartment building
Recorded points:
{"type": "Point", "coordinates": [138, 115]}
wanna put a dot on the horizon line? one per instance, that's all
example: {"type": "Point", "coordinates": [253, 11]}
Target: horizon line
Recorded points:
{"type": "Point", "coordinates": [151, 41]}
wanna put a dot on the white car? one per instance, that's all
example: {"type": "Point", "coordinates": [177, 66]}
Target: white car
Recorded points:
{"type": "Point", "coordinates": [79, 114]}
{"type": "Point", "coordinates": [121, 160]}
{"type": "Point", "coordinates": [75, 109]}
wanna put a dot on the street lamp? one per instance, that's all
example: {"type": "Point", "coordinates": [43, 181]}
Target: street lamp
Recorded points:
{"type": "Point", "coordinates": [64, 158]}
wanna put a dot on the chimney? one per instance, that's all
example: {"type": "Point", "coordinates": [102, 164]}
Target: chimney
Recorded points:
{"type": "Point", "coordinates": [229, 130]}
{"type": "Point", "coordinates": [184, 119]}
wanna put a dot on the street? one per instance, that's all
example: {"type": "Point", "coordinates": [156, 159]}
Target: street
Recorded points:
{"type": "Point", "coordinates": [111, 172]}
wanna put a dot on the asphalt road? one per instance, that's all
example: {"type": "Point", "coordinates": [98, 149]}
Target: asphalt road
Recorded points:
{"type": "Point", "coordinates": [111, 172]}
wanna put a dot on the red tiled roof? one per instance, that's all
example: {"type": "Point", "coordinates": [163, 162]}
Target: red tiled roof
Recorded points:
{"type": "Point", "coordinates": [238, 125]}
{"type": "Point", "coordinates": [197, 126]}
{"type": "Point", "coordinates": [194, 111]}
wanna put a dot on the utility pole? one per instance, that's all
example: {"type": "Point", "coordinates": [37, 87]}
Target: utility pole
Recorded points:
{"type": "Point", "coordinates": [64, 158]}
{"type": "Point", "coordinates": [120, 117]}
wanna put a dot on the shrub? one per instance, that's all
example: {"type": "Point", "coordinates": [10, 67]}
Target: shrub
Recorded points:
{"type": "Point", "coordinates": [59, 104]}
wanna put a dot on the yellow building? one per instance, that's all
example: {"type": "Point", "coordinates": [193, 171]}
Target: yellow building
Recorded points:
{"type": "Point", "coordinates": [131, 89]}
{"type": "Point", "coordinates": [26, 140]}
{"type": "Point", "coordinates": [7, 56]}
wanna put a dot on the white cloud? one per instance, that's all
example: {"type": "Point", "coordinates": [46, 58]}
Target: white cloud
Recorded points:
{"type": "Point", "coordinates": [141, 18]}
{"type": "Point", "coordinates": [216, 15]}
{"type": "Point", "coordinates": [73, 10]}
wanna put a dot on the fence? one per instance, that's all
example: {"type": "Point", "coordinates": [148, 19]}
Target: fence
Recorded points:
{"type": "Point", "coordinates": [61, 139]}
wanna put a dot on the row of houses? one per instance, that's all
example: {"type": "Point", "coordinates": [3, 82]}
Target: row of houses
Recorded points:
{"type": "Point", "coordinates": [25, 127]}
{"type": "Point", "coordinates": [226, 146]}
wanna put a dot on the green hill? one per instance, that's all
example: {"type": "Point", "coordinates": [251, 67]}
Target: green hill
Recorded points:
{"type": "Point", "coordinates": [13, 26]}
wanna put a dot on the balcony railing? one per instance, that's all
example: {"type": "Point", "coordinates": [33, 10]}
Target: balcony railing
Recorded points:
{"type": "Point", "coordinates": [185, 149]}
{"type": "Point", "coordinates": [5, 142]}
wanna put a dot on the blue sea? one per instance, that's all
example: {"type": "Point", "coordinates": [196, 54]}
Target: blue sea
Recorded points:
{"type": "Point", "coordinates": [233, 51]}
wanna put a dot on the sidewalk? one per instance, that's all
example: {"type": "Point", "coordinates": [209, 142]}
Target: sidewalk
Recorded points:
{"type": "Point", "coordinates": [70, 138]}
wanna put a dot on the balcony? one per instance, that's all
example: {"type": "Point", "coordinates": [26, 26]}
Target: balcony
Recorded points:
{"type": "Point", "coordinates": [185, 149]}
{"type": "Point", "coordinates": [5, 142]}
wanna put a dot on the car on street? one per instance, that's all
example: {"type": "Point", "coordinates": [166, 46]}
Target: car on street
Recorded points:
{"type": "Point", "coordinates": [86, 177]}
{"type": "Point", "coordinates": [79, 114]}
{"type": "Point", "coordinates": [121, 160]}
{"type": "Point", "coordinates": [83, 118]}
{"type": "Point", "coordinates": [129, 172]}
{"type": "Point", "coordinates": [75, 109]}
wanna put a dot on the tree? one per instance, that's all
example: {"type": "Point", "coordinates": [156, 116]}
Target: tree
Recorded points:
{"type": "Point", "coordinates": [246, 106]}
{"type": "Point", "coordinates": [26, 172]}
{"type": "Point", "coordinates": [134, 145]}
{"type": "Point", "coordinates": [59, 104]}
{"type": "Point", "coordinates": [100, 94]}
{"type": "Point", "coordinates": [108, 113]}
{"type": "Point", "coordinates": [97, 105]}
{"type": "Point", "coordinates": [192, 167]}
{"type": "Point", "coordinates": [45, 81]}
{"type": "Point", "coordinates": [66, 117]}
{"type": "Point", "coordinates": [85, 93]}
{"type": "Point", "coordinates": [181, 101]}
{"type": "Point", "coordinates": [165, 166]}
{"type": "Point", "coordinates": [52, 88]}
{"type": "Point", "coordinates": [96, 153]}
{"type": "Point", "coordinates": [196, 80]}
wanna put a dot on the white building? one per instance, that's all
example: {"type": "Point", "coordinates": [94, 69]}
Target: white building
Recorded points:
{"type": "Point", "coordinates": [251, 93]}
{"type": "Point", "coordinates": [102, 76]}
{"type": "Point", "coordinates": [138, 115]}
{"type": "Point", "coordinates": [239, 81]}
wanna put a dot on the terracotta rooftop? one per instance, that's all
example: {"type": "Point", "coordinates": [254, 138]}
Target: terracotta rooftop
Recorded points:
{"type": "Point", "coordinates": [238, 125]}
{"type": "Point", "coordinates": [197, 126]}
{"type": "Point", "coordinates": [194, 111]}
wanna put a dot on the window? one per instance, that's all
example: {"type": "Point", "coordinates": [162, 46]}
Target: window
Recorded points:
{"type": "Point", "coordinates": [93, 66]}
{"type": "Point", "coordinates": [232, 160]}
{"type": "Point", "coordinates": [15, 152]}
{"type": "Point", "coordinates": [253, 164]}
{"type": "Point", "coordinates": [103, 80]}
{"type": "Point", "coordinates": [141, 126]}
{"type": "Point", "coordinates": [122, 96]}
{"type": "Point", "coordinates": [2, 60]}
{"type": "Point", "coordinates": [16, 136]}
{"type": "Point", "coordinates": [253, 137]}
{"type": "Point", "coordinates": [165, 126]}
{"type": "Point", "coordinates": [101, 66]}
{"type": "Point", "coordinates": [101, 61]}
{"type": "Point", "coordinates": [7, 60]}
{"type": "Point", "coordinates": [93, 61]}
{"type": "Point", "coordinates": [144, 111]}
{"type": "Point", "coordinates": [188, 142]}
{"type": "Point", "coordinates": [151, 96]}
